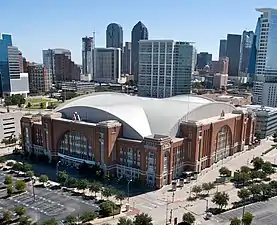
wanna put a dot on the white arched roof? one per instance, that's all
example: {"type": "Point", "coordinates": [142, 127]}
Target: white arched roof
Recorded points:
{"type": "Point", "coordinates": [142, 117]}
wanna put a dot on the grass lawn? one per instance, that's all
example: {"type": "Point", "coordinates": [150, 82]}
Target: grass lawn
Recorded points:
{"type": "Point", "coordinates": [35, 102]}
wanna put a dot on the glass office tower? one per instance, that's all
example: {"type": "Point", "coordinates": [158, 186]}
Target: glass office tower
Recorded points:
{"type": "Point", "coordinates": [265, 85]}
{"type": "Point", "coordinates": [5, 42]}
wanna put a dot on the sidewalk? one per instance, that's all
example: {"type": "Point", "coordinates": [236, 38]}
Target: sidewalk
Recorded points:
{"type": "Point", "coordinates": [154, 203]}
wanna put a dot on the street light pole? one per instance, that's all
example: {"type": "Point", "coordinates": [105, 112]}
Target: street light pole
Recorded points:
{"type": "Point", "coordinates": [128, 190]}
{"type": "Point", "coordinates": [207, 205]}
{"type": "Point", "coordinates": [33, 184]}
{"type": "Point", "coordinates": [57, 168]}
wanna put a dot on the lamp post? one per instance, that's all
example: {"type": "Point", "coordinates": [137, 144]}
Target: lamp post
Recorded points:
{"type": "Point", "coordinates": [128, 190]}
{"type": "Point", "coordinates": [57, 168]}
{"type": "Point", "coordinates": [207, 205]}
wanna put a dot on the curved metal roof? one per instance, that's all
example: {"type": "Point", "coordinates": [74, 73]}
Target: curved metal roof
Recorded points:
{"type": "Point", "coordinates": [141, 116]}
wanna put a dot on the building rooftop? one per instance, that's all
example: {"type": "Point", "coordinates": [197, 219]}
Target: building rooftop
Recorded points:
{"type": "Point", "coordinates": [143, 117]}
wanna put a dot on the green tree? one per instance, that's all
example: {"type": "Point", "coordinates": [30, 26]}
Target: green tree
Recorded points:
{"type": "Point", "coordinates": [9, 189]}
{"type": "Point", "coordinates": [19, 210]}
{"type": "Point", "coordinates": [50, 222]}
{"type": "Point", "coordinates": [257, 163]}
{"type": "Point", "coordinates": [188, 218]}
{"type": "Point", "coordinates": [235, 221]}
{"type": "Point", "coordinates": [43, 179]}
{"type": "Point", "coordinates": [196, 189]}
{"type": "Point", "coordinates": [30, 174]}
{"type": "Point", "coordinates": [107, 208]}
{"type": "Point", "coordinates": [7, 216]}
{"type": "Point", "coordinates": [247, 218]}
{"type": "Point", "coordinates": [241, 177]}
{"type": "Point", "coordinates": [244, 194]}
{"type": "Point", "coordinates": [82, 184]}
{"type": "Point", "coordinates": [245, 169]}
{"type": "Point", "coordinates": [8, 180]}
{"type": "Point", "coordinates": [221, 199]}
{"type": "Point", "coordinates": [266, 189]}
{"type": "Point", "coordinates": [24, 220]}
{"type": "Point", "coordinates": [95, 187]}
{"type": "Point", "coordinates": [255, 190]}
{"type": "Point", "coordinates": [71, 219]}
{"type": "Point", "coordinates": [72, 182]}
{"type": "Point", "coordinates": [20, 185]}
{"type": "Point", "coordinates": [268, 168]}
{"type": "Point", "coordinates": [143, 219]}
{"type": "Point", "coordinates": [62, 177]}
{"type": "Point", "coordinates": [88, 216]}
{"type": "Point", "coordinates": [224, 171]}
{"type": "Point", "coordinates": [208, 186]}
{"type": "Point", "coordinates": [124, 221]}
{"type": "Point", "coordinates": [120, 196]}
{"type": "Point", "coordinates": [106, 192]}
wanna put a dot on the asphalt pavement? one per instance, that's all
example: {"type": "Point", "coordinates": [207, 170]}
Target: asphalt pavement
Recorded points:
{"type": "Point", "coordinates": [47, 203]}
{"type": "Point", "coordinates": [265, 213]}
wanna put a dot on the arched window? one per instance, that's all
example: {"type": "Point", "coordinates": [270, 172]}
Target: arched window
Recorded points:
{"type": "Point", "coordinates": [223, 142]}
{"type": "Point", "coordinates": [75, 144]}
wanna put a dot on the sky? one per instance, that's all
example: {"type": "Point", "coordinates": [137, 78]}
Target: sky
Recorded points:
{"type": "Point", "coordinates": [43, 24]}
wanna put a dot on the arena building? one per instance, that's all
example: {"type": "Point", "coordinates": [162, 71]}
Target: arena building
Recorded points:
{"type": "Point", "coordinates": [154, 140]}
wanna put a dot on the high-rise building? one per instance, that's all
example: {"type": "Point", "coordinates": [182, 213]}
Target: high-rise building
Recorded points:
{"type": "Point", "coordinates": [114, 36]}
{"type": "Point", "coordinates": [139, 32]}
{"type": "Point", "coordinates": [220, 66]}
{"type": "Point", "coordinates": [265, 84]}
{"type": "Point", "coordinates": [127, 58]}
{"type": "Point", "coordinates": [233, 53]}
{"type": "Point", "coordinates": [48, 57]}
{"type": "Point", "coordinates": [204, 59]}
{"type": "Point", "coordinates": [165, 68]}
{"type": "Point", "coordinates": [12, 81]}
{"type": "Point", "coordinates": [222, 48]}
{"type": "Point", "coordinates": [107, 67]}
{"type": "Point", "coordinates": [87, 63]}
{"type": "Point", "coordinates": [65, 69]}
{"type": "Point", "coordinates": [245, 50]}
{"type": "Point", "coordinates": [39, 78]}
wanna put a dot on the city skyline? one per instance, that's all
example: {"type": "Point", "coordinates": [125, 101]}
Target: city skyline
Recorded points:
{"type": "Point", "coordinates": [63, 30]}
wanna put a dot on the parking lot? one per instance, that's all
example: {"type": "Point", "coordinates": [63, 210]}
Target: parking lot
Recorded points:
{"type": "Point", "coordinates": [47, 203]}
{"type": "Point", "coordinates": [265, 213]}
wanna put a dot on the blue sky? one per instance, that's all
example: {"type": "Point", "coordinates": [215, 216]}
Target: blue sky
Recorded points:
{"type": "Point", "coordinates": [41, 24]}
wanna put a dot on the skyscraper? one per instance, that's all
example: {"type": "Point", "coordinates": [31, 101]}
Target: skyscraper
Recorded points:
{"type": "Point", "coordinates": [245, 50]}
{"type": "Point", "coordinates": [265, 84]}
{"type": "Point", "coordinates": [87, 46]}
{"type": "Point", "coordinates": [114, 36]}
{"type": "Point", "coordinates": [127, 58]}
{"type": "Point", "coordinates": [203, 59]}
{"type": "Point", "coordinates": [12, 80]}
{"type": "Point", "coordinates": [233, 53]}
{"type": "Point", "coordinates": [107, 68]}
{"type": "Point", "coordinates": [48, 57]}
{"type": "Point", "coordinates": [139, 32]}
{"type": "Point", "coordinates": [5, 42]}
{"type": "Point", "coordinates": [39, 78]}
{"type": "Point", "coordinates": [169, 73]}
{"type": "Point", "coordinates": [222, 48]}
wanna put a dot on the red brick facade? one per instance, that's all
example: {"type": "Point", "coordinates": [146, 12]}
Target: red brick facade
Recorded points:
{"type": "Point", "coordinates": [155, 160]}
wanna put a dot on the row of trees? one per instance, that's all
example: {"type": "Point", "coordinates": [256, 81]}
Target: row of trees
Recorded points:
{"type": "Point", "coordinates": [18, 211]}
{"type": "Point", "coordinates": [246, 219]}
{"type": "Point", "coordinates": [19, 185]}
{"type": "Point", "coordinates": [93, 187]}
{"type": "Point", "coordinates": [17, 99]}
